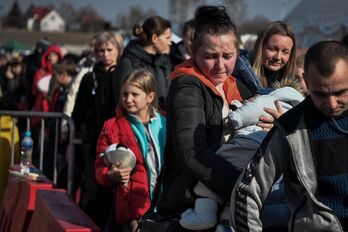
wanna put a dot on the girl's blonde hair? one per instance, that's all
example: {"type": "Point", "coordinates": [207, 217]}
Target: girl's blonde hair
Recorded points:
{"type": "Point", "coordinates": [144, 80]}
{"type": "Point", "coordinates": [274, 28]}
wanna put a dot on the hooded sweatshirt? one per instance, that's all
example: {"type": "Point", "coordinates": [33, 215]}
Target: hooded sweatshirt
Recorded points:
{"type": "Point", "coordinates": [41, 99]}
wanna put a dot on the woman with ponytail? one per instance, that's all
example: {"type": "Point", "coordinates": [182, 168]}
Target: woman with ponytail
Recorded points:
{"type": "Point", "coordinates": [151, 51]}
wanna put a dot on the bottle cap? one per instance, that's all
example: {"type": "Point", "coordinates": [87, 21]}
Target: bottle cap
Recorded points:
{"type": "Point", "coordinates": [27, 134]}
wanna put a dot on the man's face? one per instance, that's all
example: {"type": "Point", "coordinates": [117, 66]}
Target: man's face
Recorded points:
{"type": "Point", "coordinates": [329, 93]}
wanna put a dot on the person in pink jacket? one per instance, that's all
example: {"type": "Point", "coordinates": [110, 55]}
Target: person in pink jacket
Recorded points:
{"type": "Point", "coordinates": [51, 57]}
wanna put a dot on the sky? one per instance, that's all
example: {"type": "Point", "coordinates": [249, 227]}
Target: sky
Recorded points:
{"type": "Point", "coordinates": [271, 9]}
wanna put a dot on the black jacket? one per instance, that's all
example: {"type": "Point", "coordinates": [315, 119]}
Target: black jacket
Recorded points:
{"type": "Point", "coordinates": [194, 134]}
{"type": "Point", "coordinates": [133, 57]}
{"type": "Point", "coordinates": [94, 103]}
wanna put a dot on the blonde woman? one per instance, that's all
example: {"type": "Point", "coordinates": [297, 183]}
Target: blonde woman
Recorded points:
{"type": "Point", "coordinates": [274, 53]}
{"type": "Point", "coordinates": [94, 104]}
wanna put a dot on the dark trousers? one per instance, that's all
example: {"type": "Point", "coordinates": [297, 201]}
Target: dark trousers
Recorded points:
{"type": "Point", "coordinates": [96, 200]}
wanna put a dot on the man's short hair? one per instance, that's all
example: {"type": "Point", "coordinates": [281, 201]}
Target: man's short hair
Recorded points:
{"type": "Point", "coordinates": [324, 56]}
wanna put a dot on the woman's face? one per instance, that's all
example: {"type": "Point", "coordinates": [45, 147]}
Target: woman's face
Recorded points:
{"type": "Point", "coordinates": [276, 52]}
{"type": "Point", "coordinates": [216, 57]}
{"type": "Point", "coordinates": [163, 42]}
{"type": "Point", "coordinates": [107, 53]}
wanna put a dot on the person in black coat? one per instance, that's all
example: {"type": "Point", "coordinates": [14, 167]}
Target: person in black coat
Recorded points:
{"type": "Point", "coordinates": [94, 104]}
{"type": "Point", "coordinates": [150, 51]}
{"type": "Point", "coordinates": [182, 50]}
{"type": "Point", "coordinates": [201, 90]}
{"type": "Point", "coordinates": [198, 101]}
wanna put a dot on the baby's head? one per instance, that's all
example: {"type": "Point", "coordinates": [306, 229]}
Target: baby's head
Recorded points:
{"type": "Point", "coordinates": [299, 70]}
{"type": "Point", "coordinates": [291, 82]}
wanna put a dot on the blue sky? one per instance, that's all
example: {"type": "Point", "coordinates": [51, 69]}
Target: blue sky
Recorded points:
{"type": "Point", "coordinates": [272, 9]}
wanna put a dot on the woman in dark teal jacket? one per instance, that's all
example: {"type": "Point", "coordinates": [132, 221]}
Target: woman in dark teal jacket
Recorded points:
{"type": "Point", "coordinates": [151, 51]}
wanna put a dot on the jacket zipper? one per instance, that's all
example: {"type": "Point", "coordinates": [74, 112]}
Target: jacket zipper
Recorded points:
{"type": "Point", "coordinates": [309, 195]}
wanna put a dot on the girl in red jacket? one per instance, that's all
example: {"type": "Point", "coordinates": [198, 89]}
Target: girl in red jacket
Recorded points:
{"type": "Point", "coordinates": [138, 126]}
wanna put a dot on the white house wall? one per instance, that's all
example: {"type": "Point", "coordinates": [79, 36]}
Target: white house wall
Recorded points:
{"type": "Point", "coordinates": [52, 22]}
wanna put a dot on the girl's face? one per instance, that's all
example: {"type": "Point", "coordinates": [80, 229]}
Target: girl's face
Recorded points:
{"type": "Point", "coordinates": [163, 42]}
{"type": "Point", "coordinates": [53, 58]}
{"type": "Point", "coordinates": [276, 52]}
{"type": "Point", "coordinates": [107, 53]}
{"type": "Point", "coordinates": [135, 100]}
{"type": "Point", "coordinates": [216, 57]}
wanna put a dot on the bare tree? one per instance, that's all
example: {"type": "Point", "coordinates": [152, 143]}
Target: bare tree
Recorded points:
{"type": "Point", "coordinates": [253, 25]}
{"type": "Point", "coordinates": [69, 13]}
{"type": "Point", "coordinates": [236, 9]}
{"type": "Point", "coordinates": [88, 10]}
{"type": "Point", "coordinates": [14, 17]}
{"type": "Point", "coordinates": [136, 15]}
{"type": "Point", "coordinates": [90, 20]}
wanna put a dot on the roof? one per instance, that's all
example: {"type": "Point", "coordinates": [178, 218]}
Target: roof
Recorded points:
{"type": "Point", "coordinates": [327, 16]}
{"type": "Point", "coordinates": [41, 12]}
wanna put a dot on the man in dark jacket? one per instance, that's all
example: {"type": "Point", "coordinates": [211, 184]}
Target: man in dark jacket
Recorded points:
{"type": "Point", "coordinates": [308, 145]}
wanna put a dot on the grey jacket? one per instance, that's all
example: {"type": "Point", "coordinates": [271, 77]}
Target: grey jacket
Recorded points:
{"type": "Point", "coordinates": [285, 150]}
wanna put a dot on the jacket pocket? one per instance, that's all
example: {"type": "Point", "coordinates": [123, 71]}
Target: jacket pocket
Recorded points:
{"type": "Point", "coordinates": [132, 202]}
{"type": "Point", "coordinates": [310, 217]}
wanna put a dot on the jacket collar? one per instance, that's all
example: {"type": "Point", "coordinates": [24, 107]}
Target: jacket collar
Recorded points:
{"type": "Point", "coordinates": [298, 140]}
{"type": "Point", "coordinates": [188, 68]}
{"type": "Point", "coordinates": [121, 113]}
{"type": "Point", "coordinates": [135, 51]}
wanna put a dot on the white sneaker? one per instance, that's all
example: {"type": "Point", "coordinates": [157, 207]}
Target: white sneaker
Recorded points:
{"type": "Point", "coordinates": [203, 216]}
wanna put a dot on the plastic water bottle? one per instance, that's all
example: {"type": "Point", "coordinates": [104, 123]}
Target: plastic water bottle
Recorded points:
{"type": "Point", "coordinates": [26, 153]}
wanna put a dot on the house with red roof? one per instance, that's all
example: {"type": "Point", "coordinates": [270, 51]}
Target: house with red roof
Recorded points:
{"type": "Point", "coordinates": [44, 19]}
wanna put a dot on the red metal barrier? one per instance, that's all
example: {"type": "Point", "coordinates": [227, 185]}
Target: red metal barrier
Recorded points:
{"type": "Point", "coordinates": [55, 211]}
{"type": "Point", "coordinates": [19, 201]}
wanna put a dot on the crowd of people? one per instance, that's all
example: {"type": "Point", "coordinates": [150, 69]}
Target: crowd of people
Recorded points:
{"type": "Point", "coordinates": [223, 138]}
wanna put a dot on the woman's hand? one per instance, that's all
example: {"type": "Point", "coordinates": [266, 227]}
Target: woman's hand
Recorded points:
{"type": "Point", "coordinates": [119, 175]}
{"type": "Point", "coordinates": [267, 122]}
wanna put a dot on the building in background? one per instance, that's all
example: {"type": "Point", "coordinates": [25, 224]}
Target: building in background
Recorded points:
{"type": "Point", "coordinates": [44, 19]}
{"type": "Point", "coordinates": [317, 20]}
